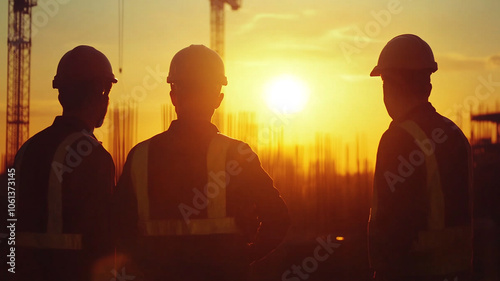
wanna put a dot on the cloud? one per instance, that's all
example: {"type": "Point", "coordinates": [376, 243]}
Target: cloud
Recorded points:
{"type": "Point", "coordinates": [350, 34]}
{"type": "Point", "coordinates": [296, 46]}
{"type": "Point", "coordinates": [337, 33]}
{"type": "Point", "coordinates": [259, 18]}
{"type": "Point", "coordinates": [298, 49]}
{"type": "Point", "coordinates": [460, 62]}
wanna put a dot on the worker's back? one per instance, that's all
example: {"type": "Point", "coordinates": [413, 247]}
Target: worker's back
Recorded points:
{"type": "Point", "coordinates": [65, 178]}
{"type": "Point", "coordinates": [183, 234]}
{"type": "Point", "coordinates": [85, 181]}
{"type": "Point", "coordinates": [402, 192]}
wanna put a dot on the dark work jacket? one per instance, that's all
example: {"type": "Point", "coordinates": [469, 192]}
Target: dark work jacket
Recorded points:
{"type": "Point", "coordinates": [177, 165]}
{"type": "Point", "coordinates": [87, 184]}
{"type": "Point", "coordinates": [400, 191]}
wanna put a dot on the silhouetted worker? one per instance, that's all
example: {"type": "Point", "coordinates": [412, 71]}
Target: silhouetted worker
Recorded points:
{"type": "Point", "coordinates": [198, 197]}
{"type": "Point", "coordinates": [420, 223]}
{"type": "Point", "coordinates": [65, 178]}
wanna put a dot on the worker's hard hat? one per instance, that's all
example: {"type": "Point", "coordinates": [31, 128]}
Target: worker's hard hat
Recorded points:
{"type": "Point", "coordinates": [83, 63]}
{"type": "Point", "coordinates": [405, 52]}
{"type": "Point", "coordinates": [197, 63]}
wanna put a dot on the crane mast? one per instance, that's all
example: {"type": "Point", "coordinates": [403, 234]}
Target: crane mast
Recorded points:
{"type": "Point", "coordinates": [217, 40]}
{"type": "Point", "coordinates": [217, 23]}
{"type": "Point", "coordinates": [18, 76]}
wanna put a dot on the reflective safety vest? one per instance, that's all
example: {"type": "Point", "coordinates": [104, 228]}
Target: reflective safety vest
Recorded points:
{"type": "Point", "coordinates": [54, 238]}
{"type": "Point", "coordinates": [444, 249]}
{"type": "Point", "coordinates": [217, 221]}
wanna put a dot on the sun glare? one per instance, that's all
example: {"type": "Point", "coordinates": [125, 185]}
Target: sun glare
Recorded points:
{"type": "Point", "coordinates": [286, 94]}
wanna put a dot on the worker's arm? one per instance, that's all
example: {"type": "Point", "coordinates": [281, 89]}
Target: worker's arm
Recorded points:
{"type": "Point", "coordinates": [95, 181]}
{"type": "Point", "coordinates": [125, 210]}
{"type": "Point", "coordinates": [264, 200]}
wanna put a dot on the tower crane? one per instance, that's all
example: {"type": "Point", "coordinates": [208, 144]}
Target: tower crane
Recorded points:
{"type": "Point", "coordinates": [217, 26]}
{"type": "Point", "coordinates": [18, 76]}
{"type": "Point", "coordinates": [217, 23]}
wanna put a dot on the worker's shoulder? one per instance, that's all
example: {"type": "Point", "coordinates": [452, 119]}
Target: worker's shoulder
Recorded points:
{"type": "Point", "coordinates": [53, 138]}
{"type": "Point", "coordinates": [158, 138]}
{"type": "Point", "coordinates": [35, 143]}
{"type": "Point", "coordinates": [142, 146]}
{"type": "Point", "coordinates": [238, 150]}
{"type": "Point", "coordinates": [83, 145]}
{"type": "Point", "coordinates": [438, 127]}
{"type": "Point", "coordinates": [400, 136]}
{"type": "Point", "coordinates": [75, 150]}
{"type": "Point", "coordinates": [43, 136]}
{"type": "Point", "coordinates": [448, 125]}
{"type": "Point", "coordinates": [395, 134]}
{"type": "Point", "coordinates": [230, 140]}
{"type": "Point", "coordinates": [67, 137]}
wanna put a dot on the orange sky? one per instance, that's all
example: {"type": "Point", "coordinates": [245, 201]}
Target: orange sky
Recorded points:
{"type": "Point", "coordinates": [329, 45]}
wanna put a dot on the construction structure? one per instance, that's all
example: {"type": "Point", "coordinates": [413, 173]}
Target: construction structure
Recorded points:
{"type": "Point", "coordinates": [217, 27]}
{"type": "Point", "coordinates": [486, 129]}
{"type": "Point", "coordinates": [122, 133]}
{"type": "Point", "coordinates": [485, 141]}
{"type": "Point", "coordinates": [217, 24]}
{"type": "Point", "coordinates": [18, 76]}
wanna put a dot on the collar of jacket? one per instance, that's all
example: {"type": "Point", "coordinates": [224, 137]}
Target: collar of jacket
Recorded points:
{"type": "Point", "coordinates": [424, 108]}
{"type": "Point", "coordinates": [191, 126]}
{"type": "Point", "coordinates": [72, 124]}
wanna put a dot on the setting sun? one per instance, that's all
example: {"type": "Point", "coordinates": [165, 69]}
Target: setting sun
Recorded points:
{"type": "Point", "coordinates": [286, 94]}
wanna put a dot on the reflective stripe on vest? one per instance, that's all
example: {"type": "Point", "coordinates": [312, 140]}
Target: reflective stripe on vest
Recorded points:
{"type": "Point", "coordinates": [449, 246]}
{"type": "Point", "coordinates": [54, 238]}
{"type": "Point", "coordinates": [436, 218]}
{"type": "Point", "coordinates": [433, 182]}
{"type": "Point", "coordinates": [217, 221]}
